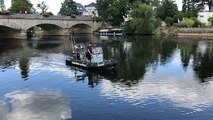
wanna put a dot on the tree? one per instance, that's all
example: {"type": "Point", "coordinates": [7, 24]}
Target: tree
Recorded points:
{"type": "Point", "coordinates": [190, 9]}
{"type": "Point", "coordinates": [2, 6]}
{"type": "Point", "coordinates": [187, 5]}
{"type": "Point", "coordinates": [201, 4]}
{"type": "Point", "coordinates": [209, 3]}
{"type": "Point", "coordinates": [113, 11]}
{"type": "Point", "coordinates": [142, 21]}
{"type": "Point", "coordinates": [197, 4]}
{"type": "Point", "coordinates": [168, 9]}
{"type": "Point", "coordinates": [42, 6]}
{"type": "Point", "coordinates": [68, 8]}
{"type": "Point", "coordinates": [21, 6]}
{"type": "Point", "coordinates": [211, 20]}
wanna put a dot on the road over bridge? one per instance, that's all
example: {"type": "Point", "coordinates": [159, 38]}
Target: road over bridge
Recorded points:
{"type": "Point", "coordinates": [17, 26]}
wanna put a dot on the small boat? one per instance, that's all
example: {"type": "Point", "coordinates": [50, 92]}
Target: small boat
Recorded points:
{"type": "Point", "coordinates": [81, 73]}
{"type": "Point", "coordinates": [97, 62]}
{"type": "Point", "coordinates": [85, 64]}
{"type": "Point", "coordinates": [111, 32]}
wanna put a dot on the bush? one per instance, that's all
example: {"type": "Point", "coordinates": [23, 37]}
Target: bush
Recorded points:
{"type": "Point", "coordinates": [197, 23]}
{"type": "Point", "coordinates": [169, 21]}
{"type": "Point", "coordinates": [157, 23]}
{"type": "Point", "coordinates": [190, 22]}
{"type": "Point", "coordinates": [211, 20]}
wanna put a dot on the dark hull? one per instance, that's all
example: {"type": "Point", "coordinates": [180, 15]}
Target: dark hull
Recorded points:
{"type": "Point", "coordinates": [106, 65]}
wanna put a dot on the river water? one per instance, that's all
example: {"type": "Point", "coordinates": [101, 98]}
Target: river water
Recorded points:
{"type": "Point", "coordinates": [156, 79]}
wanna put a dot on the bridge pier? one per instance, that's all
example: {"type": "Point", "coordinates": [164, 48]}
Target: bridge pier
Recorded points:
{"type": "Point", "coordinates": [22, 34]}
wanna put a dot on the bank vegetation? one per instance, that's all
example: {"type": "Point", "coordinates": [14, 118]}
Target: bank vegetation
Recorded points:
{"type": "Point", "coordinates": [148, 17]}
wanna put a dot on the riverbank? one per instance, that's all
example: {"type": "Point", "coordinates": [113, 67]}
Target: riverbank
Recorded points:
{"type": "Point", "coordinates": [186, 32]}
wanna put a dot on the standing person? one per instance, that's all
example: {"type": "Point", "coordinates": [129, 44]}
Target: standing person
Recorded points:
{"type": "Point", "coordinates": [89, 52]}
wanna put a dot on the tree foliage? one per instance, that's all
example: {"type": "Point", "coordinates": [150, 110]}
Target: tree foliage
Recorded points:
{"type": "Point", "coordinates": [21, 6]}
{"type": "Point", "coordinates": [43, 6]}
{"type": "Point", "coordinates": [201, 4]}
{"type": "Point", "coordinates": [191, 7]}
{"type": "Point", "coordinates": [113, 10]}
{"type": "Point", "coordinates": [2, 6]}
{"type": "Point", "coordinates": [68, 8]}
{"type": "Point", "coordinates": [142, 21]}
{"type": "Point", "coordinates": [211, 20]}
{"type": "Point", "coordinates": [119, 9]}
{"type": "Point", "coordinates": [168, 9]}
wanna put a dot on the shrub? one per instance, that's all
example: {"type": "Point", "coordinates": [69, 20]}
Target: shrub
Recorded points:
{"type": "Point", "coordinates": [187, 22]}
{"type": "Point", "coordinates": [211, 20]}
{"type": "Point", "coordinates": [169, 21]}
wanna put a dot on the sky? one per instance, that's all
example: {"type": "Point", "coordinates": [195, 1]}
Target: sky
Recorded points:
{"type": "Point", "coordinates": [55, 5]}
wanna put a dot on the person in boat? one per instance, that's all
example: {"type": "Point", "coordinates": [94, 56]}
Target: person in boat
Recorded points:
{"type": "Point", "coordinates": [89, 52]}
{"type": "Point", "coordinates": [78, 52]}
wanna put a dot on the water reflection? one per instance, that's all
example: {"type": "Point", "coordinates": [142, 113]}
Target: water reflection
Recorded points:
{"type": "Point", "coordinates": [163, 85]}
{"type": "Point", "coordinates": [28, 105]}
{"type": "Point", "coordinates": [93, 77]}
{"type": "Point", "coordinates": [173, 76]}
{"type": "Point", "coordinates": [42, 43]}
{"type": "Point", "coordinates": [136, 54]}
{"type": "Point", "coordinates": [203, 62]}
{"type": "Point", "coordinates": [24, 67]}
{"type": "Point", "coordinates": [111, 38]}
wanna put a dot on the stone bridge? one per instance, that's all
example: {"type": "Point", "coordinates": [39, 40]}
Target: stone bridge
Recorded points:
{"type": "Point", "coordinates": [17, 26]}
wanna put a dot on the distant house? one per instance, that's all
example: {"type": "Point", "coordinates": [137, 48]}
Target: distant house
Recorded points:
{"type": "Point", "coordinates": [92, 9]}
{"type": "Point", "coordinates": [81, 10]}
{"type": "Point", "coordinates": [204, 16]}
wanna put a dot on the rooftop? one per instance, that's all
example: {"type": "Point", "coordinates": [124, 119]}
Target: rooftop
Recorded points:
{"type": "Point", "coordinates": [92, 5]}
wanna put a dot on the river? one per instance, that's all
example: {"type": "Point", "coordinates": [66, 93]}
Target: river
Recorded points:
{"type": "Point", "coordinates": [157, 78]}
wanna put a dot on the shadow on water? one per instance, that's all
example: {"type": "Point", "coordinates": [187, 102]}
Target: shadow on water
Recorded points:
{"type": "Point", "coordinates": [93, 76]}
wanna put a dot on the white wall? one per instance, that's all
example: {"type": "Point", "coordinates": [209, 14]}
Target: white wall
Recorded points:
{"type": "Point", "coordinates": [91, 9]}
{"type": "Point", "coordinates": [203, 17]}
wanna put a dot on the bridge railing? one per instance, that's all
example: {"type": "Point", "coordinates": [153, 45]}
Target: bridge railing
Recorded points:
{"type": "Point", "coordinates": [35, 16]}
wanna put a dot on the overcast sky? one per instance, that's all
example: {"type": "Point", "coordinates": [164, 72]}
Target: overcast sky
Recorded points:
{"type": "Point", "coordinates": [55, 5]}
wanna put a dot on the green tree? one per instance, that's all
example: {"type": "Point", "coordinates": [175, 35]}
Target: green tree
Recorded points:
{"type": "Point", "coordinates": [153, 3]}
{"type": "Point", "coordinates": [21, 6]}
{"type": "Point", "coordinates": [43, 7]}
{"type": "Point", "coordinates": [211, 20]}
{"type": "Point", "coordinates": [189, 8]}
{"type": "Point", "coordinates": [143, 20]}
{"type": "Point", "coordinates": [68, 8]}
{"type": "Point", "coordinates": [2, 6]}
{"type": "Point", "coordinates": [168, 9]}
{"type": "Point", "coordinates": [113, 10]}
{"type": "Point", "coordinates": [209, 3]}
{"type": "Point", "coordinates": [187, 5]}
{"type": "Point", "coordinates": [201, 4]}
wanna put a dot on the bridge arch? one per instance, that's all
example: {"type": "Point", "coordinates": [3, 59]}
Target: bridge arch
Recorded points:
{"type": "Point", "coordinates": [8, 32]}
{"type": "Point", "coordinates": [44, 29]}
{"type": "Point", "coordinates": [45, 26]}
{"type": "Point", "coordinates": [8, 28]}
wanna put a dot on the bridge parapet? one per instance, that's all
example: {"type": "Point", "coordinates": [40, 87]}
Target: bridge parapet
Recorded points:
{"type": "Point", "coordinates": [36, 16]}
